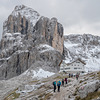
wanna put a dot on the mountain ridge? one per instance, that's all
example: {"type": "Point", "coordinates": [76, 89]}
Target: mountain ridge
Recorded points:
{"type": "Point", "coordinates": [86, 47]}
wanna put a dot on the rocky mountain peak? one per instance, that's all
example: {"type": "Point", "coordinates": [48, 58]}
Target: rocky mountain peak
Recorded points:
{"type": "Point", "coordinates": [25, 11]}
{"type": "Point", "coordinates": [19, 7]}
{"type": "Point", "coordinates": [29, 40]}
{"type": "Point", "coordinates": [22, 19]}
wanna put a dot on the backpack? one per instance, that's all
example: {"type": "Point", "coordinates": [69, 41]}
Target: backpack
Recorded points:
{"type": "Point", "coordinates": [54, 83]}
{"type": "Point", "coordinates": [65, 79]}
{"type": "Point", "coordinates": [58, 83]}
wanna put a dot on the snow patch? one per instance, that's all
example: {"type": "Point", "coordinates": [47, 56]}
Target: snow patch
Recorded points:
{"type": "Point", "coordinates": [69, 44]}
{"type": "Point", "coordinates": [8, 34]}
{"type": "Point", "coordinates": [21, 51]}
{"type": "Point", "coordinates": [42, 74]}
{"type": "Point", "coordinates": [28, 88]}
{"type": "Point", "coordinates": [92, 64]}
{"type": "Point", "coordinates": [44, 48]}
{"type": "Point", "coordinates": [38, 73]}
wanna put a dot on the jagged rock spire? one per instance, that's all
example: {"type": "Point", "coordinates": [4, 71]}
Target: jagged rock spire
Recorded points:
{"type": "Point", "coordinates": [22, 19]}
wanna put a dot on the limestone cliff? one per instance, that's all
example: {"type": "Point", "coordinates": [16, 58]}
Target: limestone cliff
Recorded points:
{"type": "Point", "coordinates": [27, 21]}
{"type": "Point", "coordinates": [52, 31]}
{"type": "Point", "coordinates": [22, 19]}
{"type": "Point", "coordinates": [29, 40]}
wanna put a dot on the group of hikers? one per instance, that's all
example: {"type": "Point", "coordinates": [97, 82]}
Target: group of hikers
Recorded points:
{"type": "Point", "coordinates": [59, 84]}
{"type": "Point", "coordinates": [71, 75]}
{"type": "Point", "coordinates": [63, 80]}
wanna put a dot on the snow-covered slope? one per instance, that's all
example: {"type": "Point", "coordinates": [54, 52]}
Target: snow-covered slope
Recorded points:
{"type": "Point", "coordinates": [38, 74]}
{"type": "Point", "coordinates": [86, 47]}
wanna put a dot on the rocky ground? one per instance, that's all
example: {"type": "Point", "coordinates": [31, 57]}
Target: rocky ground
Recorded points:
{"type": "Point", "coordinates": [25, 88]}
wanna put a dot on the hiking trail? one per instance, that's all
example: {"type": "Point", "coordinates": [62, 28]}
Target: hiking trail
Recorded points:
{"type": "Point", "coordinates": [66, 92]}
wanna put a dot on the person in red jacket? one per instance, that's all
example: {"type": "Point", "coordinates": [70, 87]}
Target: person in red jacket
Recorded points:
{"type": "Point", "coordinates": [66, 80]}
{"type": "Point", "coordinates": [77, 76]}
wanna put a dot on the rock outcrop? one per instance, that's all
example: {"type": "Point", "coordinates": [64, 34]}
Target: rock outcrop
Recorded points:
{"type": "Point", "coordinates": [29, 40]}
{"type": "Point", "coordinates": [13, 62]}
{"type": "Point", "coordinates": [84, 90]}
{"type": "Point", "coordinates": [52, 31]}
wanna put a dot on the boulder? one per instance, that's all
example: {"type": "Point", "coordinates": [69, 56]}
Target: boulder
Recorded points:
{"type": "Point", "coordinates": [88, 88]}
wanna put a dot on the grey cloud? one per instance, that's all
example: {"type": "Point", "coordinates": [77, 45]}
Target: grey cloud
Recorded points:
{"type": "Point", "coordinates": [77, 16]}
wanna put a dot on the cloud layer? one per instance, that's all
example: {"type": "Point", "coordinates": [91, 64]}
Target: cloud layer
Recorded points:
{"type": "Point", "coordinates": [76, 16]}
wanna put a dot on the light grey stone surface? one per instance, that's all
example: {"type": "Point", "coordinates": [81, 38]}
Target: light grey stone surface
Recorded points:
{"type": "Point", "coordinates": [88, 88]}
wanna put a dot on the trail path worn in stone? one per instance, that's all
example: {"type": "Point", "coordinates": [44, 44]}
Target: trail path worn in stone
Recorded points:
{"type": "Point", "coordinates": [66, 92]}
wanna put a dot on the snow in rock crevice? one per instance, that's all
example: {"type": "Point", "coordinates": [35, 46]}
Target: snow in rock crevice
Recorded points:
{"type": "Point", "coordinates": [44, 48]}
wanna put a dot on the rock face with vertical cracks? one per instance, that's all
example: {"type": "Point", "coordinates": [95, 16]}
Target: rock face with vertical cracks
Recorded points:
{"type": "Point", "coordinates": [52, 31]}
{"type": "Point", "coordinates": [30, 40]}
{"type": "Point", "coordinates": [22, 19]}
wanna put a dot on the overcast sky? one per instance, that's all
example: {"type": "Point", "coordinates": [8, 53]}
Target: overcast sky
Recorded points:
{"type": "Point", "coordinates": [76, 16]}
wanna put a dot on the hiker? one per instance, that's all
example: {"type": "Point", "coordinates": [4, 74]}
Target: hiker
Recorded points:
{"type": "Point", "coordinates": [54, 84]}
{"type": "Point", "coordinates": [66, 80]}
{"type": "Point", "coordinates": [72, 75]}
{"type": "Point", "coordinates": [77, 75]}
{"type": "Point", "coordinates": [58, 84]}
{"type": "Point", "coordinates": [62, 82]}
{"type": "Point", "coordinates": [69, 75]}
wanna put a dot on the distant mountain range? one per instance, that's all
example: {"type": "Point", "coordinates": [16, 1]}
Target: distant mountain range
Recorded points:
{"type": "Point", "coordinates": [86, 47]}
